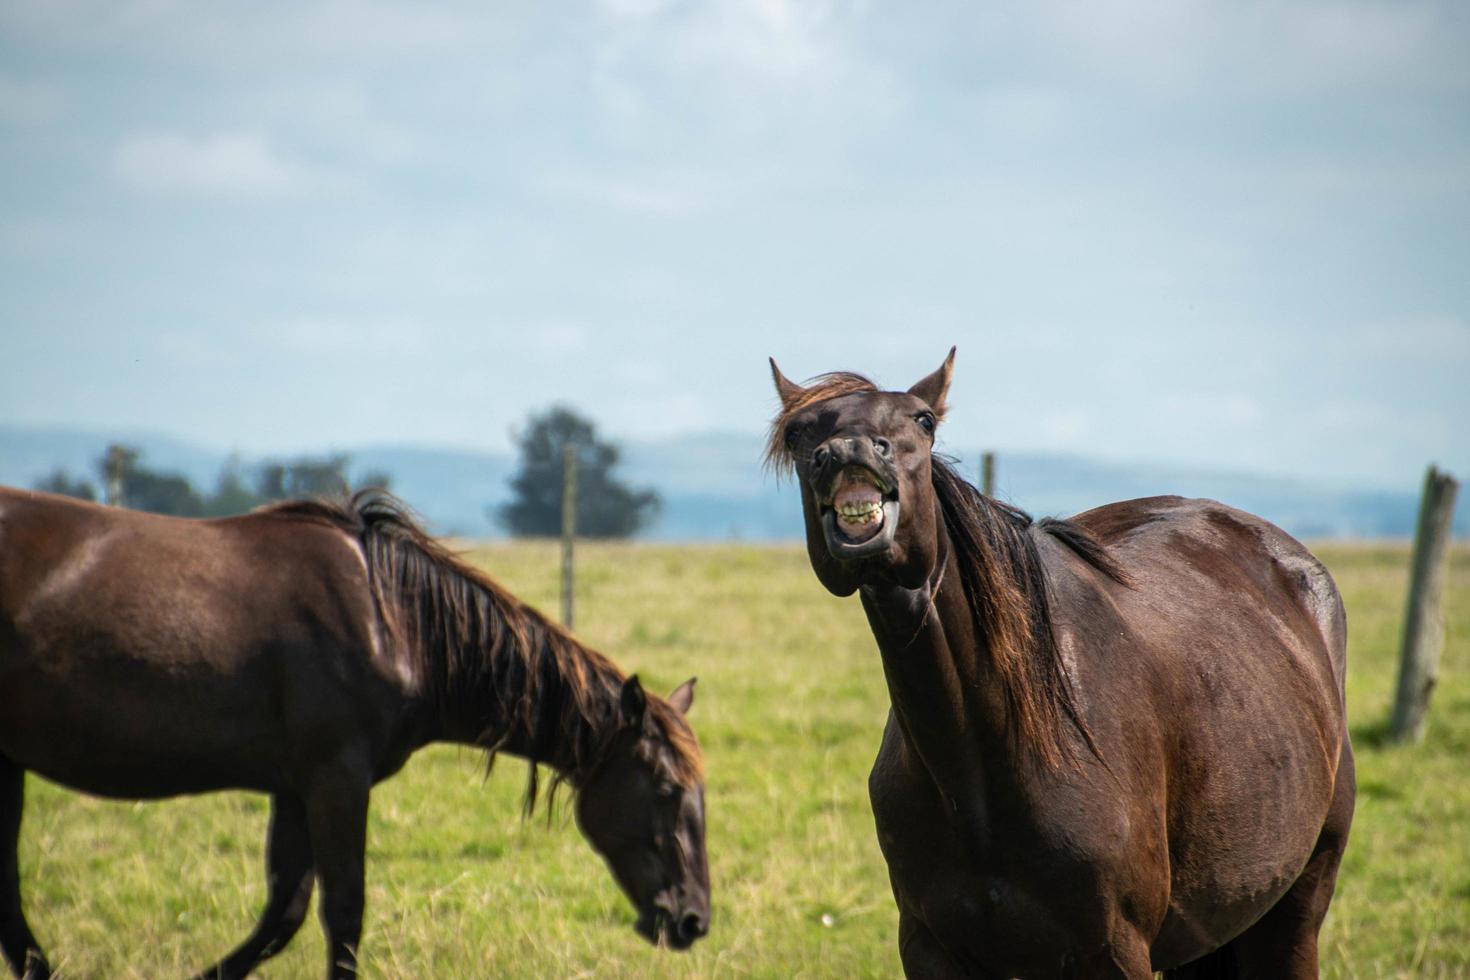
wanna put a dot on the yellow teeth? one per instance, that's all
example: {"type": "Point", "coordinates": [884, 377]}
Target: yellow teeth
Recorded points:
{"type": "Point", "coordinates": [860, 513]}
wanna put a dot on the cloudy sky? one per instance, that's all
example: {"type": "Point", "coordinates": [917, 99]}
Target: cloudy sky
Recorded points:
{"type": "Point", "coordinates": [1233, 234]}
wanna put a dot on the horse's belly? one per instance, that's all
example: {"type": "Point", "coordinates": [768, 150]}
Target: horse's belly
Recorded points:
{"type": "Point", "coordinates": [1244, 831]}
{"type": "Point", "coordinates": [104, 758]}
{"type": "Point", "coordinates": [1215, 897]}
{"type": "Point", "coordinates": [155, 780]}
{"type": "Point", "coordinates": [131, 733]}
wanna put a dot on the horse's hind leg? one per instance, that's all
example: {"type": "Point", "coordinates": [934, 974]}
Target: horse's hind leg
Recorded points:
{"type": "Point", "coordinates": [289, 879]}
{"type": "Point", "coordinates": [22, 951]}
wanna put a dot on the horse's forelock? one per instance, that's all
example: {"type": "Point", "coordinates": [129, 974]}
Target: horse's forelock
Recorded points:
{"type": "Point", "coordinates": [822, 388]}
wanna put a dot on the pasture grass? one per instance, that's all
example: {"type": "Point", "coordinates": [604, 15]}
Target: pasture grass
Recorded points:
{"type": "Point", "coordinates": [789, 709]}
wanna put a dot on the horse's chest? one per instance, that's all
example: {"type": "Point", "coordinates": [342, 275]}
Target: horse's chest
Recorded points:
{"type": "Point", "coordinates": [937, 858]}
{"type": "Point", "coordinates": [996, 894]}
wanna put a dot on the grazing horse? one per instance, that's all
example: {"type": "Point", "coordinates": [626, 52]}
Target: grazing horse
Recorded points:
{"type": "Point", "coordinates": [305, 650]}
{"type": "Point", "coordinates": [1116, 743]}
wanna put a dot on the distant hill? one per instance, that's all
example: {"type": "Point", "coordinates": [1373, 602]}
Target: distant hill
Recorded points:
{"type": "Point", "coordinates": [714, 489]}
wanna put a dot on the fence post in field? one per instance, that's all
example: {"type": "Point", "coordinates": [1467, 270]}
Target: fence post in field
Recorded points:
{"type": "Point", "coordinates": [987, 473]}
{"type": "Point", "coordinates": [113, 464]}
{"type": "Point", "coordinates": [1423, 618]}
{"type": "Point", "coordinates": [568, 528]}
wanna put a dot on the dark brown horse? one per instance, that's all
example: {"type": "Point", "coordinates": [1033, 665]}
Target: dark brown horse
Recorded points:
{"type": "Point", "coordinates": [305, 651]}
{"type": "Point", "coordinates": [1116, 743]}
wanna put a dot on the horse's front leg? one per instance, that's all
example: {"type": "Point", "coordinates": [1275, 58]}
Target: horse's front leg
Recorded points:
{"type": "Point", "coordinates": [922, 955]}
{"type": "Point", "coordinates": [336, 814]}
{"type": "Point", "coordinates": [20, 947]}
{"type": "Point", "coordinates": [289, 878]}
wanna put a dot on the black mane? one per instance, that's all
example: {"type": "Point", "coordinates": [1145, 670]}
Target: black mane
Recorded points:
{"type": "Point", "coordinates": [1004, 581]}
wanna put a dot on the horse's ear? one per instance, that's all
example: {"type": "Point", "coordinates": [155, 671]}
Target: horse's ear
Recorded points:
{"type": "Point", "coordinates": [789, 390]}
{"type": "Point", "coordinates": [934, 387]}
{"type": "Point", "coordinates": [683, 696]}
{"type": "Point", "coordinates": [633, 701]}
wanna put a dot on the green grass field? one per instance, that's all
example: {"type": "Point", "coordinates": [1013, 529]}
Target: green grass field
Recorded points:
{"type": "Point", "coordinates": [789, 709]}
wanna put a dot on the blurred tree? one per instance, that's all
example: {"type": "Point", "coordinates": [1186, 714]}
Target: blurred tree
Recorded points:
{"type": "Point", "coordinates": [59, 481]}
{"type": "Point", "coordinates": [307, 476]}
{"type": "Point", "coordinates": [378, 479]}
{"type": "Point", "coordinates": [131, 484]}
{"type": "Point", "coordinates": [606, 508]}
{"type": "Point", "coordinates": [231, 494]}
{"type": "Point", "coordinates": [134, 485]}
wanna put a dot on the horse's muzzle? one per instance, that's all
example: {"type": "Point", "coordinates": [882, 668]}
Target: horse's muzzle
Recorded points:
{"type": "Point", "coordinates": [672, 931]}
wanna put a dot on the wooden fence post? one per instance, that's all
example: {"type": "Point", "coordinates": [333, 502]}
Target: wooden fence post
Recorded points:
{"type": "Point", "coordinates": [987, 473]}
{"type": "Point", "coordinates": [113, 465]}
{"type": "Point", "coordinates": [568, 528]}
{"type": "Point", "coordinates": [1423, 619]}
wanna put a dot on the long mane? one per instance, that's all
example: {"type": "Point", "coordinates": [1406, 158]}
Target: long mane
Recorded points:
{"type": "Point", "coordinates": [1005, 587]}
{"type": "Point", "coordinates": [483, 654]}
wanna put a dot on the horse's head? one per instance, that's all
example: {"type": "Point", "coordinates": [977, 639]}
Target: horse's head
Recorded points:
{"type": "Point", "coordinates": [862, 458]}
{"type": "Point", "coordinates": [642, 808]}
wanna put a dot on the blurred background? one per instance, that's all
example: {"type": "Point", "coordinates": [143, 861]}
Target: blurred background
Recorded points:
{"type": "Point", "coordinates": [1193, 247]}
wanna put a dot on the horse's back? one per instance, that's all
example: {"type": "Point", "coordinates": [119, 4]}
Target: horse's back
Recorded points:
{"type": "Point", "coordinates": [1156, 539]}
{"type": "Point", "coordinates": [1219, 597]}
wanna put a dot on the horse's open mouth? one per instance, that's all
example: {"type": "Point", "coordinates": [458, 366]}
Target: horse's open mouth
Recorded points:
{"type": "Point", "coordinates": [859, 514]}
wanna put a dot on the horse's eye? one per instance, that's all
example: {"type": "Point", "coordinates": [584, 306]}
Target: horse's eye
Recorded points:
{"type": "Point", "coordinates": [926, 421]}
{"type": "Point", "coordinates": [793, 435]}
{"type": "Point", "coordinates": [666, 790]}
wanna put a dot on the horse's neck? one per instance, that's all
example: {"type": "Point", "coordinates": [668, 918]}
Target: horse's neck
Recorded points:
{"type": "Point", "coordinates": [529, 716]}
{"type": "Point", "coordinates": [941, 681]}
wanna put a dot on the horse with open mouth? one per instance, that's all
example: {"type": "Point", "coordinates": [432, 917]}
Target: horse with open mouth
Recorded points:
{"type": "Point", "coordinates": [306, 650]}
{"type": "Point", "coordinates": [1117, 743]}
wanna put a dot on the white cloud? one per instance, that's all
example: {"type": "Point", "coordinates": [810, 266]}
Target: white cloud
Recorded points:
{"type": "Point", "coordinates": [670, 195]}
{"type": "Point", "coordinates": [1435, 339]}
{"type": "Point", "coordinates": [1025, 112]}
{"type": "Point", "coordinates": [338, 337]}
{"type": "Point", "coordinates": [1181, 47]}
{"type": "Point", "coordinates": [221, 165]}
{"type": "Point", "coordinates": [28, 103]}
{"type": "Point", "coordinates": [543, 201]}
{"type": "Point", "coordinates": [633, 9]}
{"type": "Point", "coordinates": [249, 36]}
{"type": "Point", "coordinates": [742, 63]}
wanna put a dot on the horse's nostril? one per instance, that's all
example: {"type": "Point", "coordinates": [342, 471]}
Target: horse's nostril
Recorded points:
{"type": "Point", "coordinates": [820, 455]}
{"type": "Point", "coordinates": [883, 446]}
{"type": "Point", "coordinates": [691, 926]}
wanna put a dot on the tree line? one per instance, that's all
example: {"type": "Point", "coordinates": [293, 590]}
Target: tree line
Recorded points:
{"type": "Point", "coordinates": [606, 506]}
{"type": "Point", "coordinates": [127, 481]}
